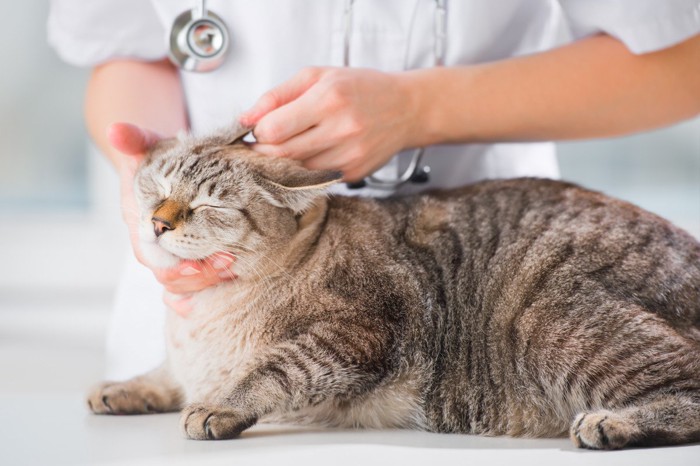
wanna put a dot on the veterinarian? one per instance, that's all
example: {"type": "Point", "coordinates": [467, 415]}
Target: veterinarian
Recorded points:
{"type": "Point", "coordinates": [514, 75]}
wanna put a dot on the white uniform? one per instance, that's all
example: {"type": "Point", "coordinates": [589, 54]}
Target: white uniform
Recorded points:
{"type": "Point", "coordinates": [271, 40]}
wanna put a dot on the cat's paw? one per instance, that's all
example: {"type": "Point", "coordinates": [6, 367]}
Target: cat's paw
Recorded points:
{"type": "Point", "coordinates": [602, 430]}
{"type": "Point", "coordinates": [125, 398]}
{"type": "Point", "coordinates": [213, 422]}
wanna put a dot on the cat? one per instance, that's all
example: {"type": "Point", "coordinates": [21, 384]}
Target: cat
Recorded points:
{"type": "Point", "coordinates": [522, 307]}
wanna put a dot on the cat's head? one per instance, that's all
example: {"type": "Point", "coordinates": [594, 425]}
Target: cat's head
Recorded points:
{"type": "Point", "coordinates": [201, 196]}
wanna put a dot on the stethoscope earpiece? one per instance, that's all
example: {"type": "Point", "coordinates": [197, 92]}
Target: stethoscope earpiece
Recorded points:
{"type": "Point", "coordinates": [198, 40]}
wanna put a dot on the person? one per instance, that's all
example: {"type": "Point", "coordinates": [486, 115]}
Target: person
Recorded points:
{"type": "Point", "coordinates": [516, 75]}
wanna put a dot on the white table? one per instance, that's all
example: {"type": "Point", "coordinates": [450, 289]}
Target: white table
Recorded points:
{"type": "Point", "coordinates": [49, 357]}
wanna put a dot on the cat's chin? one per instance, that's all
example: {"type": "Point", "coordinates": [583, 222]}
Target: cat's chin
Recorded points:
{"type": "Point", "coordinates": [158, 257]}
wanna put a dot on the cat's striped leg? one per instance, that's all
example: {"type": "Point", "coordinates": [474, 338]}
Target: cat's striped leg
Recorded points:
{"type": "Point", "coordinates": [665, 419]}
{"type": "Point", "coordinates": [153, 392]}
{"type": "Point", "coordinates": [312, 368]}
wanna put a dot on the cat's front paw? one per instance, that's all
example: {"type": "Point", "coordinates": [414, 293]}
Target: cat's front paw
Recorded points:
{"type": "Point", "coordinates": [124, 398]}
{"type": "Point", "coordinates": [213, 422]}
{"type": "Point", "coordinates": [602, 430]}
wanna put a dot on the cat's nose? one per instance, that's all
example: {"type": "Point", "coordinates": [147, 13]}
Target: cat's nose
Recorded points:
{"type": "Point", "coordinates": [160, 226]}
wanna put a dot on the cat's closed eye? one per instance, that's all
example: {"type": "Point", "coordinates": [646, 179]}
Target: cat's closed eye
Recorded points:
{"type": "Point", "coordinates": [199, 207]}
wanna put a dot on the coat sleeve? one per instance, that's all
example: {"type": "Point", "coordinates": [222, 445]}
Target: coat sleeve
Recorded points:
{"type": "Point", "coordinates": [86, 33]}
{"type": "Point", "coordinates": [642, 25]}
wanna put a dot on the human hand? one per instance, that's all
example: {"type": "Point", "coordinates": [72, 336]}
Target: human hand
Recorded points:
{"type": "Point", "coordinates": [188, 276]}
{"type": "Point", "coordinates": [352, 120]}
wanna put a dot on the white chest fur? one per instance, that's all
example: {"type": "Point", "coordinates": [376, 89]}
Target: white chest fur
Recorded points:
{"type": "Point", "coordinates": [213, 347]}
{"type": "Point", "coordinates": [209, 348]}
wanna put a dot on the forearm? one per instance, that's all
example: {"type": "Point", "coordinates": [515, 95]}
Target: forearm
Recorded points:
{"type": "Point", "coordinates": [592, 88]}
{"type": "Point", "coordinates": [147, 94]}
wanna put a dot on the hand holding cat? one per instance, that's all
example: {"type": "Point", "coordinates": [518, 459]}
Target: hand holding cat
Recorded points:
{"type": "Point", "coordinates": [352, 120]}
{"type": "Point", "coordinates": [188, 276]}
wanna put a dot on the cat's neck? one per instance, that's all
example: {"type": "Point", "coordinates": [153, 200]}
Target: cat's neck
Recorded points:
{"type": "Point", "coordinates": [282, 261]}
{"type": "Point", "coordinates": [310, 226]}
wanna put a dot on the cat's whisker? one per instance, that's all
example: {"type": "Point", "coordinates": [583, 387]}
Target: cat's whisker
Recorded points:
{"type": "Point", "coordinates": [256, 270]}
{"type": "Point", "coordinates": [281, 268]}
{"type": "Point", "coordinates": [266, 282]}
{"type": "Point", "coordinates": [258, 267]}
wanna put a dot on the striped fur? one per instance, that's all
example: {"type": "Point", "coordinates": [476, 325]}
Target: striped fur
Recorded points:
{"type": "Point", "coordinates": [517, 307]}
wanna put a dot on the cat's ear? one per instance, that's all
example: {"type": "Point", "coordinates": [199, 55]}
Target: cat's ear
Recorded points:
{"type": "Point", "coordinates": [297, 188]}
{"type": "Point", "coordinates": [163, 145]}
{"type": "Point", "coordinates": [231, 134]}
{"type": "Point", "coordinates": [158, 149]}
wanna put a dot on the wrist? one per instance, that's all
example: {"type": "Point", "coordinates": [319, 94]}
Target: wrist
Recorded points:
{"type": "Point", "coordinates": [426, 125]}
{"type": "Point", "coordinates": [442, 105]}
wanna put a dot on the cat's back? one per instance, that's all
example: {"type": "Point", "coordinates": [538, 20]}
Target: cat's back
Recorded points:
{"type": "Point", "coordinates": [542, 231]}
{"type": "Point", "coordinates": [510, 266]}
{"type": "Point", "coordinates": [506, 244]}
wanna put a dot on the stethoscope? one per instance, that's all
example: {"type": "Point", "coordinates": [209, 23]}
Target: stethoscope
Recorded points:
{"type": "Point", "coordinates": [198, 41]}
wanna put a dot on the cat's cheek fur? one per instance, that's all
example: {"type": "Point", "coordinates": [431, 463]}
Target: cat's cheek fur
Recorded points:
{"type": "Point", "coordinates": [154, 255]}
{"type": "Point", "coordinates": [157, 257]}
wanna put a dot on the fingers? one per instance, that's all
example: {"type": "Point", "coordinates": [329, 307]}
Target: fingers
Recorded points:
{"type": "Point", "coordinates": [180, 303]}
{"type": "Point", "coordinates": [280, 95]}
{"type": "Point", "coordinates": [300, 147]}
{"type": "Point", "coordinates": [189, 276]}
{"type": "Point", "coordinates": [346, 160]}
{"type": "Point", "coordinates": [319, 152]}
{"type": "Point", "coordinates": [288, 121]}
{"type": "Point", "coordinates": [130, 139]}
{"type": "Point", "coordinates": [332, 159]}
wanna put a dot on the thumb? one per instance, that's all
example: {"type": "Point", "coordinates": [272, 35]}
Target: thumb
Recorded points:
{"type": "Point", "coordinates": [130, 139]}
{"type": "Point", "coordinates": [278, 96]}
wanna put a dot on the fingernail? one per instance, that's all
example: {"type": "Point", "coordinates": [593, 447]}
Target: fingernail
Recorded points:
{"type": "Point", "coordinates": [189, 271]}
{"type": "Point", "coordinates": [246, 119]}
{"type": "Point", "coordinates": [221, 262]}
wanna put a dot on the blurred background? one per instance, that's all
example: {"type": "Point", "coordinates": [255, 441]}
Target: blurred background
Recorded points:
{"type": "Point", "coordinates": [61, 238]}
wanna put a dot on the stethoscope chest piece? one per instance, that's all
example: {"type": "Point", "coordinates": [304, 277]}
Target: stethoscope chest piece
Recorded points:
{"type": "Point", "coordinates": [198, 40]}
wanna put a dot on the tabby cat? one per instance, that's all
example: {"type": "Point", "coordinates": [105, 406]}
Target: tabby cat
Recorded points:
{"type": "Point", "coordinates": [519, 307]}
